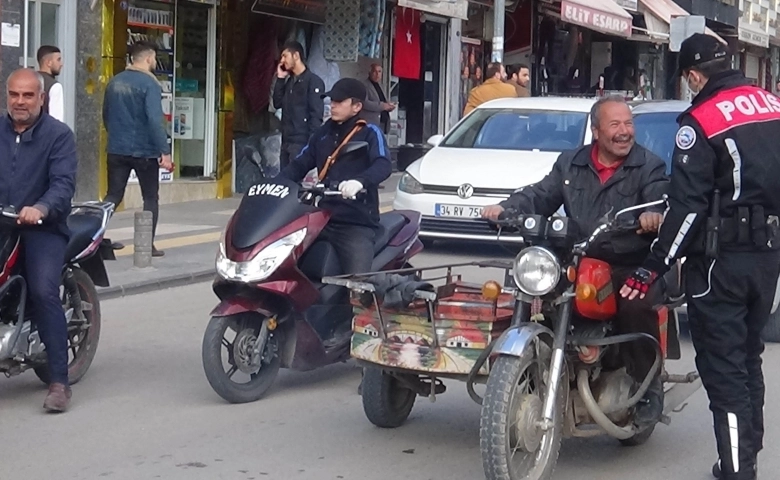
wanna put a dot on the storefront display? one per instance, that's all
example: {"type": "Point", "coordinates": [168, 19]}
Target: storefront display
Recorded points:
{"type": "Point", "coordinates": [471, 67]}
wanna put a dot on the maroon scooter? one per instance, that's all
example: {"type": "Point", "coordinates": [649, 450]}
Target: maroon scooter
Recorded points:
{"type": "Point", "coordinates": [274, 310]}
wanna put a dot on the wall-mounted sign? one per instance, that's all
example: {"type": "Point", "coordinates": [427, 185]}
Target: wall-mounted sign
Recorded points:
{"type": "Point", "coordinates": [628, 5]}
{"type": "Point", "coordinates": [449, 9]}
{"type": "Point", "coordinates": [312, 11]}
{"type": "Point", "coordinates": [753, 37]}
{"type": "Point", "coordinates": [607, 22]}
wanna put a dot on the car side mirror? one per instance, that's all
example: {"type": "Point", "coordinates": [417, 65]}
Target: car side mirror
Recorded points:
{"type": "Point", "coordinates": [435, 140]}
{"type": "Point", "coordinates": [355, 146]}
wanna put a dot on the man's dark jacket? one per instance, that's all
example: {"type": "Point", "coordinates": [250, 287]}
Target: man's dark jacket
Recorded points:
{"type": "Point", "coordinates": [38, 168]}
{"type": "Point", "coordinates": [300, 98]}
{"type": "Point", "coordinates": [370, 168]}
{"type": "Point", "coordinates": [574, 183]}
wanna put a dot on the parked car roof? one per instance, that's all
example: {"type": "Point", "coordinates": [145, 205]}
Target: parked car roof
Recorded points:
{"type": "Point", "coordinates": [659, 106]}
{"type": "Point", "coordinates": [567, 104]}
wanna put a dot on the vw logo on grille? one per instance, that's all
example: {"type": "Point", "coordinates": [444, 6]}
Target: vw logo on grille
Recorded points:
{"type": "Point", "coordinates": [465, 191]}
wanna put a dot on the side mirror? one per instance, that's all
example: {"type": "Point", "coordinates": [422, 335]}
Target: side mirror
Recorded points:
{"type": "Point", "coordinates": [351, 147]}
{"type": "Point", "coordinates": [435, 140]}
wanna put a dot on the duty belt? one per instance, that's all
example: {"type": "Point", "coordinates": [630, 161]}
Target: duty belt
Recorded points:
{"type": "Point", "coordinates": [750, 227]}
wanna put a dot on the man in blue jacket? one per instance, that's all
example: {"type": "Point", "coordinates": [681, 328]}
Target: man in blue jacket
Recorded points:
{"type": "Point", "coordinates": [354, 219]}
{"type": "Point", "coordinates": [38, 177]}
{"type": "Point", "coordinates": [133, 116]}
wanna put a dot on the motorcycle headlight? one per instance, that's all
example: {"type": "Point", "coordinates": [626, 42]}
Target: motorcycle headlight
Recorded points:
{"type": "Point", "coordinates": [263, 264]}
{"type": "Point", "coordinates": [409, 184]}
{"type": "Point", "coordinates": [536, 271]}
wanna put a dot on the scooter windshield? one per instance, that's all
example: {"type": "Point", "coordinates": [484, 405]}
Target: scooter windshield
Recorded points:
{"type": "Point", "coordinates": [266, 207]}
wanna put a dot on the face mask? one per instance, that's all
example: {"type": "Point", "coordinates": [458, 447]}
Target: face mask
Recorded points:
{"type": "Point", "coordinates": [690, 81]}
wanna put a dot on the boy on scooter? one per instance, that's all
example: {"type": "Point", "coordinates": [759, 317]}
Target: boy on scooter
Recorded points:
{"type": "Point", "coordinates": [355, 219]}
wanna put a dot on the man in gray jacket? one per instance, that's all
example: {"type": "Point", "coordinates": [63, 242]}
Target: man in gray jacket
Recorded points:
{"type": "Point", "coordinates": [376, 108]}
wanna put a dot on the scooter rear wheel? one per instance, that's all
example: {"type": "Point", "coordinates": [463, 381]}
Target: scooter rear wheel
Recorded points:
{"type": "Point", "coordinates": [83, 333]}
{"type": "Point", "coordinates": [228, 342]}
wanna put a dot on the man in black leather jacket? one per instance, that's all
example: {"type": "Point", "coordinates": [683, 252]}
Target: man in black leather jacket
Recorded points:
{"type": "Point", "coordinates": [610, 174]}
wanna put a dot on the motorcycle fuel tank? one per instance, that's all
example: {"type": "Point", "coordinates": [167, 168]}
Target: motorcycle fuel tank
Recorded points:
{"type": "Point", "coordinates": [595, 293]}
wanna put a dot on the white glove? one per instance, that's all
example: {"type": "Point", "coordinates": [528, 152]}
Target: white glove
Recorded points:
{"type": "Point", "coordinates": [350, 188]}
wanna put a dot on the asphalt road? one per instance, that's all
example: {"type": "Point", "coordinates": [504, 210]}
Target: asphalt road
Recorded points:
{"type": "Point", "coordinates": [145, 411]}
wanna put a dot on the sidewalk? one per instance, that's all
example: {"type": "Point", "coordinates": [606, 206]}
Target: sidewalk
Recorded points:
{"type": "Point", "coordinates": [189, 233]}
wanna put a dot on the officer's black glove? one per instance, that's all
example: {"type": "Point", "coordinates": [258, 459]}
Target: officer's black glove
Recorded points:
{"type": "Point", "coordinates": [638, 283]}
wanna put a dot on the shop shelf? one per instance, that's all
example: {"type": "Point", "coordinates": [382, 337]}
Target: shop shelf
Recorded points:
{"type": "Point", "coordinates": [149, 25]}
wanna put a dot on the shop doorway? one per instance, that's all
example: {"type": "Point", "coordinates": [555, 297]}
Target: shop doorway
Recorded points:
{"type": "Point", "coordinates": [420, 99]}
{"type": "Point", "coordinates": [194, 90]}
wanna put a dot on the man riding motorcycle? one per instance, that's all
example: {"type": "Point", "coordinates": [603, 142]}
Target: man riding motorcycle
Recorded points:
{"type": "Point", "coordinates": [598, 179]}
{"type": "Point", "coordinates": [355, 219]}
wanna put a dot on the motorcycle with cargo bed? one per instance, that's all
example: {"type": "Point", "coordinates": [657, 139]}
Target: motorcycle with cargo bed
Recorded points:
{"type": "Point", "coordinates": [545, 348]}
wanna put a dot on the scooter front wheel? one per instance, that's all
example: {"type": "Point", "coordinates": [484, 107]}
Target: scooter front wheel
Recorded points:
{"type": "Point", "coordinates": [231, 366]}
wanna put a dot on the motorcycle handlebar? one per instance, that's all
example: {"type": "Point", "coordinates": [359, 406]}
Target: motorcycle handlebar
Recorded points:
{"type": "Point", "coordinates": [14, 216]}
{"type": "Point", "coordinates": [326, 191]}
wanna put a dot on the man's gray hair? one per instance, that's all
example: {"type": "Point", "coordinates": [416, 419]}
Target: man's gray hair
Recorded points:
{"type": "Point", "coordinates": [37, 75]}
{"type": "Point", "coordinates": [595, 110]}
{"type": "Point", "coordinates": [41, 81]}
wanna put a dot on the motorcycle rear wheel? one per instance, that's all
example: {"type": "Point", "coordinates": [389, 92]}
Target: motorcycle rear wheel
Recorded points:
{"type": "Point", "coordinates": [82, 343]}
{"type": "Point", "coordinates": [514, 399]}
{"type": "Point", "coordinates": [216, 345]}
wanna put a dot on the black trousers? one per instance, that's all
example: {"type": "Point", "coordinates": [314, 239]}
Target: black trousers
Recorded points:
{"type": "Point", "coordinates": [44, 256]}
{"type": "Point", "coordinates": [147, 171]}
{"type": "Point", "coordinates": [729, 300]}
{"type": "Point", "coordinates": [637, 316]}
{"type": "Point", "coordinates": [354, 246]}
{"type": "Point", "coordinates": [288, 153]}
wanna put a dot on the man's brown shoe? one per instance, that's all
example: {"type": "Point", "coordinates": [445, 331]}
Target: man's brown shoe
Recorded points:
{"type": "Point", "coordinates": [58, 398]}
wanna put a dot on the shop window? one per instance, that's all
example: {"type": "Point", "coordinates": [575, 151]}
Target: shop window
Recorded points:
{"type": "Point", "coordinates": [184, 35]}
{"type": "Point", "coordinates": [44, 27]}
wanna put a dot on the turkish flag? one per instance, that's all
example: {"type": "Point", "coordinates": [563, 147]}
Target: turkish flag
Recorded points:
{"type": "Point", "coordinates": [407, 54]}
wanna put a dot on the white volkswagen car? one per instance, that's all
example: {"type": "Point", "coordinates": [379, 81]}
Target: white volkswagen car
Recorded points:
{"type": "Point", "coordinates": [501, 146]}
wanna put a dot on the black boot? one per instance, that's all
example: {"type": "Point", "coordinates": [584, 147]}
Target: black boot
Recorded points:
{"type": "Point", "coordinates": [651, 407]}
{"type": "Point", "coordinates": [717, 474]}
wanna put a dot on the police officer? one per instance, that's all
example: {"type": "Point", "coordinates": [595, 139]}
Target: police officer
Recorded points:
{"type": "Point", "coordinates": [722, 216]}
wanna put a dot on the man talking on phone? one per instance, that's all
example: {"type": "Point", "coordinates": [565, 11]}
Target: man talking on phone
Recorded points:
{"type": "Point", "coordinates": [298, 92]}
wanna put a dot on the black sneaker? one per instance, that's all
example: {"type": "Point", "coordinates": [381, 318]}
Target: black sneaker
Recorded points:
{"type": "Point", "coordinates": [157, 253]}
{"type": "Point", "coordinates": [650, 409]}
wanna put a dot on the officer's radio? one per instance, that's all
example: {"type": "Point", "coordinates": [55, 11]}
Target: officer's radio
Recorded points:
{"type": "Point", "coordinates": [712, 240]}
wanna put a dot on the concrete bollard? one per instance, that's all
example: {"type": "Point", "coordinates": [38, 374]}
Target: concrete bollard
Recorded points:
{"type": "Point", "coordinates": [142, 240]}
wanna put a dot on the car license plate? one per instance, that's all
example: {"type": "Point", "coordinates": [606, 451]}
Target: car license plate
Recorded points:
{"type": "Point", "coordinates": [461, 211]}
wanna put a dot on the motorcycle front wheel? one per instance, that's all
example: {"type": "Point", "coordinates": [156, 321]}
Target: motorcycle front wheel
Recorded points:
{"type": "Point", "coordinates": [228, 361]}
{"type": "Point", "coordinates": [83, 327]}
{"type": "Point", "coordinates": [512, 442]}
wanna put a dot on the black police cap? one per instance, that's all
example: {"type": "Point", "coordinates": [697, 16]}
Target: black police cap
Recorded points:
{"type": "Point", "coordinates": [700, 48]}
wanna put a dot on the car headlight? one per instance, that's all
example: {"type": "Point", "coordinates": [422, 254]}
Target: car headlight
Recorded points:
{"type": "Point", "coordinates": [536, 271]}
{"type": "Point", "coordinates": [409, 184]}
{"type": "Point", "coordinates": [263, 264]}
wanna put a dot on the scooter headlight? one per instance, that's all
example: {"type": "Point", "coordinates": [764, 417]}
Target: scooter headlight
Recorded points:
{"type": "Point", "coordinates": [263, 265]}
{"type": "Point", "coordinates": [536, 271]}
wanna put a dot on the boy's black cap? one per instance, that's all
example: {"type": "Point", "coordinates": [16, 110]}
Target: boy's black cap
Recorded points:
{"type": "Point", "coordinates": [347, 88]}
{"type": "Point", "coordinates": [699, 48]}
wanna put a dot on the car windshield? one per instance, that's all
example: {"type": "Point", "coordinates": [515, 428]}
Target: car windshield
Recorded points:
{"type": "Point", "coordinates": [656, 132]}
{"type": "Point", "coordinates": [512, 129]}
